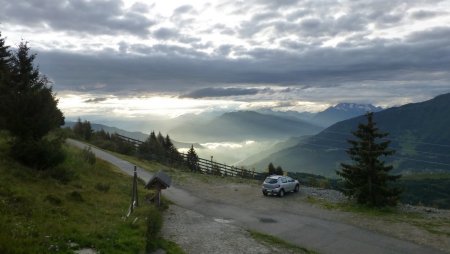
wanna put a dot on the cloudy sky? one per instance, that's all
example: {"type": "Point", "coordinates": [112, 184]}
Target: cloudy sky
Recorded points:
{"type": "Point", "coordinates": [140, 58]}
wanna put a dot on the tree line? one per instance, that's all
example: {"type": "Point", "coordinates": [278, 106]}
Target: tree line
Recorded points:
{"type": "Point", "coordinates": [28, 109]}
{"type": "Point", "coordinates": [155, 148]}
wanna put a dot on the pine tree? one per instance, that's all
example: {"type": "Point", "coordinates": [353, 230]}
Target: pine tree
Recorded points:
{"type": "Point", "coordinates": [161, 139]}
{"type": "Point", "coordinates": [5, 60]}
{"type": "Point", "coordinates": [5, 74]}
{"type": "Point", "coordinates": [151, 148]}
{"type": "Point", "coordinates": [368, 179]}
{"type": "Point", "coordinates": [171, 151]}
{"type": "Point", "coordinates": [78, 128]}
{"type": "Point", "coordinates": [28, 109]}
{"type": "Point", "coordinates": [279, 171]}
{"type": "Point", "coordinates": [28, 104]}
{"type": "Point", "coordinates": [192, 159]}
{"type": "Point", "coordinates": [271, 169]}
{"type": "Point", "coordinates": [83, 129]}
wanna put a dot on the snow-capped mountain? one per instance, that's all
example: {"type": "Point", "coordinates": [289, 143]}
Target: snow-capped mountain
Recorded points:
{"type": "Point", "coordinates": [356, 108]}
{"type": "Point", "coordinates": [342, 111]}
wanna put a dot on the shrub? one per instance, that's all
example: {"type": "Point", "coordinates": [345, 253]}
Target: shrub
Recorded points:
{"type": "Point", "coordinates": [39, 154]}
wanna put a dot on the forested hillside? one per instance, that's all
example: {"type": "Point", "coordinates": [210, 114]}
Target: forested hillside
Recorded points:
{"type": "Point", "coordinates": [419, 132]}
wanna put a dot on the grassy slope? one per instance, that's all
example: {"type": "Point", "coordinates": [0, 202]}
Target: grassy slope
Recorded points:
{"type": "Point", "coordinates": [40, 214]}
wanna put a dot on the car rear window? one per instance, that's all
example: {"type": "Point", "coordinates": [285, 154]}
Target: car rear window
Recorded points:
{"type": "Point", "coordinates": [271, 180]}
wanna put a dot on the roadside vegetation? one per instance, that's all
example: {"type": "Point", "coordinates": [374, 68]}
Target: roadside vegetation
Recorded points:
{"type": "Point", "coordinates": [81, 203]}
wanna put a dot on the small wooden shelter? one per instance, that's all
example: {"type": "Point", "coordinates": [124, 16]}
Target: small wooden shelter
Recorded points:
{"type": "Point", "coordinates": [158, 182]}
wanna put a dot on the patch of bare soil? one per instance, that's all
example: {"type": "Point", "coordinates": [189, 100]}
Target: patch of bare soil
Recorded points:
{"type": "Point", "coordinates": [429, 226]}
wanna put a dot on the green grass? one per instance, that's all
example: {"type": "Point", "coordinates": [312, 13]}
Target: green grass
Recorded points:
{"type": "Point", "coordinates": [75, 205]}
{"type": "Point", "coordinates": [279, 243]}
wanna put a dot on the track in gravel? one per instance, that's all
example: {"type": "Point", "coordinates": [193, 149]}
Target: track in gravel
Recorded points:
{"type": "Point", "coordinates": [324, 236]}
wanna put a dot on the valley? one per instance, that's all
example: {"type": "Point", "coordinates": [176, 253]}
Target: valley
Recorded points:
{"type": "Point", "coordinates": [413, 134]}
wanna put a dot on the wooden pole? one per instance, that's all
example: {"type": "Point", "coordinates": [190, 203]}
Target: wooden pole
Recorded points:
{"type": "Point", "coordinates": [135, 184]}
{"type": "Point", "coordinates": [134, 195]}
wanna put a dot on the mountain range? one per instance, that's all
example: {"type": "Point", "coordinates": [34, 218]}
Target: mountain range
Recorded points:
{"type": "Point", "coordinates": [419, 132]}
{"type": "Point", "coordinates": [244, 125]}
{"type": "Point", "coordinates": [329, 116]}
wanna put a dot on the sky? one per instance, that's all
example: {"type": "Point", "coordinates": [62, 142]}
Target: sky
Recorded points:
{"type": "Point", "coordinates": [138, 59]}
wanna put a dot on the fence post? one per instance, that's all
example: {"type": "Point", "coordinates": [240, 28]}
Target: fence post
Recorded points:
{"type": "Point", "coordinates": [135, 184]}
{"type": "Point", "coordinates": [134, 194]}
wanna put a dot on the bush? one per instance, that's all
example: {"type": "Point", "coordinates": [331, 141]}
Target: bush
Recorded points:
{"type": "Point", "coordinates": [38, 154]}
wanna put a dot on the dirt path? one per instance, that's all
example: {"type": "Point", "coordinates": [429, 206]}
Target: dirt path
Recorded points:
{"type": "Point", "coordinates": [242, 206]}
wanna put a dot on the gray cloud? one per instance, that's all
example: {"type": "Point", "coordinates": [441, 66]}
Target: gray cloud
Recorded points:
{"type": "Point", "coordinates": [183, 57]}
{"type": "Point", "coordinates": [220, 92]}
{"type": "Point", "coordinates": [424, 14]}
{"type": "Point", "coordinates": [423, 56]}
{"type": "Point", "coordinates": [95, 100]}
{"type": "Point", "coordinates": [183, 9]}
{"type": "Point", "coordinates": [91, 17]}
{"type": "Point", "coordinates": [165, 33]}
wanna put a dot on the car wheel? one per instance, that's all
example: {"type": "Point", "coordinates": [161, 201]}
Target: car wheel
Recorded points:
{"type": "Point", "coordinates": [297, 188]}
{"type": "Point", "coordinates": [281, 193]}
{"type": "Point", "coordinates": [264, 193]}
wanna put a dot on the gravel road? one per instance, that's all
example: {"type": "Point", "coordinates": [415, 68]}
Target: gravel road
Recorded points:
{"type": "Point", "coordinates": [242, 206]}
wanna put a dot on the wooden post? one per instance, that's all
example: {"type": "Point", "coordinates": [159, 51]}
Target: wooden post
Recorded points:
{"type": "Point", "coordinates": [211, 168]}
{"type": "Point", "coordinates": [134, 194]}
{"type": "Point", "coordinates": [135, 184]}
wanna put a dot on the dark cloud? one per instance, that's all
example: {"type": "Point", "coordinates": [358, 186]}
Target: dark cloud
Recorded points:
{"type": "Point", "coordinates": [95, 100]}
{"type": "Point", "coordinates": [278, 43]}
{"type": "Point", "coordinates": [423, 56]}
{"type": "Point", "coordinates": [91, 17]}
{"type": "Point", "coordinates": [220, 92]}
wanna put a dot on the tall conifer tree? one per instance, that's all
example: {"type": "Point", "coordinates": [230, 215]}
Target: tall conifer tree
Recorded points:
{"type": "Point", "coordinates": [5, 73]}
{"type": "Point", "coordinates": [28, 104]}
{"type": "Point", "coordinates": [368, 179]}
{"type": "Point", "coordinates": [192, 159]}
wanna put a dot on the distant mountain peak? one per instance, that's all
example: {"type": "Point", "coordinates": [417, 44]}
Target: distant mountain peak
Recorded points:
{"type": "Point", "coordinates": [345, 106]}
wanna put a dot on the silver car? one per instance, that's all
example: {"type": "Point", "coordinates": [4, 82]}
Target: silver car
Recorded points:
{"type": "Point", "coordinates": [279, 185]}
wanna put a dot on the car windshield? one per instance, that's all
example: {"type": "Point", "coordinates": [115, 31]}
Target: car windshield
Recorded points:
{"type": "Point", "coordinates": [271, 180]}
